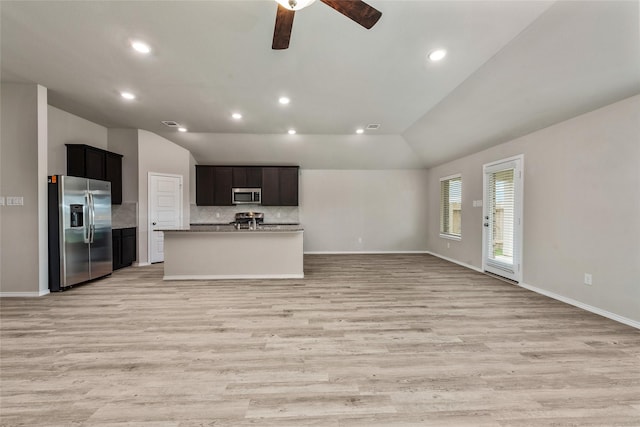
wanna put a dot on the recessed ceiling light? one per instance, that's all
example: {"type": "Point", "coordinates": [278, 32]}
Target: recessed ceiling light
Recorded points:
{"type": "Point", "coordinates": [127, 95]}
{"type": "Point", "coordinates": [284, 100]}
{"type": "Point", "coordinates": [437, 55]}
{"type": "Point", "coordinates": [292, 131]}
{"type": "Point", "coordinates": [236, 116]}
{"type": "Point", "coordinates": [373, 126]}
{"type": "Point", "coordinates": [359, 131]}
{"type": "Point", "coordinates": [181, 129]}
{"type": "Point", "coordinates": [141, 47]}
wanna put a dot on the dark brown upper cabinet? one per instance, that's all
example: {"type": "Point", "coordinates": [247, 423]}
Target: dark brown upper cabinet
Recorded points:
{"type": "Point", "coordinates": [91, 162]}
{"type": "Point", "coordinates": [214, 183]}
{"type": "Point", "coordinates": [280, 186]}
{"type": "Point", "coordinates": [270, 186]}
{"type": "Point", "coordinates": [247, 177]}
{"type": "Point", "coordinates": [222, 180]}
{"type": "Point", "coordinates": [113, 174]}
{"type": "Point", "coordinates": [204, 186]}
{"type": "Point", "coordinates": [288, 186]}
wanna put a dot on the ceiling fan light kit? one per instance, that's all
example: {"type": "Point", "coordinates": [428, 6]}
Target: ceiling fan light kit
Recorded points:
{"type": "Point", "coordinates": [295, 4]}
{"type": "Point", "coordinates": [356, 10]}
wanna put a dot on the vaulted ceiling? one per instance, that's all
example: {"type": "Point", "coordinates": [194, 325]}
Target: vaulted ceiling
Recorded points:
{"type": "Point", "coordinates": [512, 67]}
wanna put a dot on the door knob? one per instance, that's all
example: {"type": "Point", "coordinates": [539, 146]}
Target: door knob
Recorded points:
{"type": "Point", "coordinates": [153, 223]}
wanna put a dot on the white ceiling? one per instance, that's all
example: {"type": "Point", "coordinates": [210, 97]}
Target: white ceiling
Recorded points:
{"type": "Point", "coordinates": [513, 67]}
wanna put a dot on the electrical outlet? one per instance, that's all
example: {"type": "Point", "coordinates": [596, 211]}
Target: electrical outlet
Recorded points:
{"type": "Point", "coordinates": [359, 239]}
{"type": "Point", "coordinates": [448, 245]}
{"type": "Point", "coordinates": [588, 279]}
{"type": "Point", "coordinates": [217, 214]}
{"type": "Point", "coordinates": [278, 215]}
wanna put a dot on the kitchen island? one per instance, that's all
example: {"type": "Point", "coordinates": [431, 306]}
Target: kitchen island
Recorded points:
{"type": "Point", "coordinates": [224, 252]}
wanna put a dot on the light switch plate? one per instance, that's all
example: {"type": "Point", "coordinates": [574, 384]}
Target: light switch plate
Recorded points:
{"type": "Point", "coordinates": [1, 201]}
{"type": "Point", "coordinates": [15, 201]}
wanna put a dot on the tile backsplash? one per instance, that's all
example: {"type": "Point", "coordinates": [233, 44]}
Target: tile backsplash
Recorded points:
{"type": "Point", "coordinates": [226, 214]}
{"type": "Point", "coordinates": [124, 215]}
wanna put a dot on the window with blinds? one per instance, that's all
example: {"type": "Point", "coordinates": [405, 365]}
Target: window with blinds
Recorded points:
{"type": "Point", "coordinates": [501, 213]}
{"type": "Point", "coordinates": [451, 206]}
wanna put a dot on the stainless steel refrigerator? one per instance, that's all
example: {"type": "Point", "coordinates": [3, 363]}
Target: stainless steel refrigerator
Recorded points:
{"type": "Point", "coordinates": [80, 245]}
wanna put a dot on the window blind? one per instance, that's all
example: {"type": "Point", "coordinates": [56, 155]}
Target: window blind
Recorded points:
{"type": "Point", "coordinates": [501, 211]}
{"type": "Point", "coordinates": [451, 206]}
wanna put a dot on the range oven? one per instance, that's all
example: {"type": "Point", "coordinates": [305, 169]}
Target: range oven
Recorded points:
{"type": "Point", "coordinates": [244, 196]}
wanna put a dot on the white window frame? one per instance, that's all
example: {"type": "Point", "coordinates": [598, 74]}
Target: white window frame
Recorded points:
{"type": "Point", "coordinates": [441, 208]}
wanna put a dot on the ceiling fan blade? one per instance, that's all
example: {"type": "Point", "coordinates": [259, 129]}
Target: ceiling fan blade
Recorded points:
{"type": "Point", "coordinates": [356, 10]}
{"type": "Point", "coordinates": [282, 31]}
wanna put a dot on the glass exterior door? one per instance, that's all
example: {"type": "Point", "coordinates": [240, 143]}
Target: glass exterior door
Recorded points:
{"type": "Point", "coordinates": [502, 218]}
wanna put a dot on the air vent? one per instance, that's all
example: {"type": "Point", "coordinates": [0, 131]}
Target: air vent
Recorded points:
{"type": "Point", "coordinates": [170, 123]}
{"type": "Point", "coordinates": [373, 126]}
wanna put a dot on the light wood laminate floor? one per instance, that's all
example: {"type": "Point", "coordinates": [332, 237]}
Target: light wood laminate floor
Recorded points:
{"type": "Point", "coordinates": [363, 340]}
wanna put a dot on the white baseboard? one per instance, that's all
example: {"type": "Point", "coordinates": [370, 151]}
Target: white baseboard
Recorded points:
{"type": "Point", "coordinates": [455, 261]}
{"type": "Point", "coordinates": [587, 307]}
{"type": "Point", "coordinates": [232, 276]}
{"type": "Point", "coordinates": [141, 264]}
{"type": "Point", "coordinates": [362, 252]}
{"type": "Point", "coordinates": [23, 294]}
{"type": "Point", "coordinates": [570, 301]}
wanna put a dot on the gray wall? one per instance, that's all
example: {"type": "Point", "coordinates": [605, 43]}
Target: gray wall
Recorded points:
{"type": "Point", "coordinates": [23, 172]}
{"type": "Point", "coordinates": [581, 199]}
{"type": "Point", "coordinates": [364, 210]}
{"type": "Point", "coordinates": [581, 207]}
{"type": "Point", "coordinates": [157, 154]}
{"type": "Point", "coordinates": [66, 128]}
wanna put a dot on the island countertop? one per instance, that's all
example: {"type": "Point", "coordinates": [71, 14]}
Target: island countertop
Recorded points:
{"type": "Point", "coordinates": [228, 228]}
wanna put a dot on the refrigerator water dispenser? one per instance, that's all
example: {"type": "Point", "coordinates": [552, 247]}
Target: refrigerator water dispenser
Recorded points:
{"type": "Point", "coordinates": [77, 215]}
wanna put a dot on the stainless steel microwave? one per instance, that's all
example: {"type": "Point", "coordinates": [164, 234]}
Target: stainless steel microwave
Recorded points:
{"type": "Point", "coordinates": [245, 196]}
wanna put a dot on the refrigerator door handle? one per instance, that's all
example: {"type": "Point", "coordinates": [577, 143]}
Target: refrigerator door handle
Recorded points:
{"type": "Point", "coordinates": [86, 229]}
{"type": "Point", "coordinates": [92, 224]}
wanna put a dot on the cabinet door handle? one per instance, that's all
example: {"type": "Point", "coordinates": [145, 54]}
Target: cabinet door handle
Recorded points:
{"type": "Point", "coordinates": [153, 223]}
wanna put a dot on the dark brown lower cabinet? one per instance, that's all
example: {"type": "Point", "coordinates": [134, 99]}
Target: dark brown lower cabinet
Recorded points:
{"type": "Point", "coordinates": [124, 247]}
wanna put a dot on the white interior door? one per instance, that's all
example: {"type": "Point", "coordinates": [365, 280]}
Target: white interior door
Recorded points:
{"type": "Point", "coordinates": [165, 210]}
{"type": "Point", "coordinates": [502, 237]}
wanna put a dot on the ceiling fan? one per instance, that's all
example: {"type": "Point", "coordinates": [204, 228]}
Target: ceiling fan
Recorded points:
{"type": "Point", "coordinates": [356, 10]}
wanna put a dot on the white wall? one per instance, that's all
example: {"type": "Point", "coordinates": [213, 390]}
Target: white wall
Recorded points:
{"type": "Point", "coordinates": [66, 128]}
{"type": "Point", "coordinates": [23, 173]}
{"type": "Point", "coordinates": [364, 210]}
{"type": "Point", "coordinates": [581, 207]}
{"type": "Point", "coordinates": [157, 154]}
